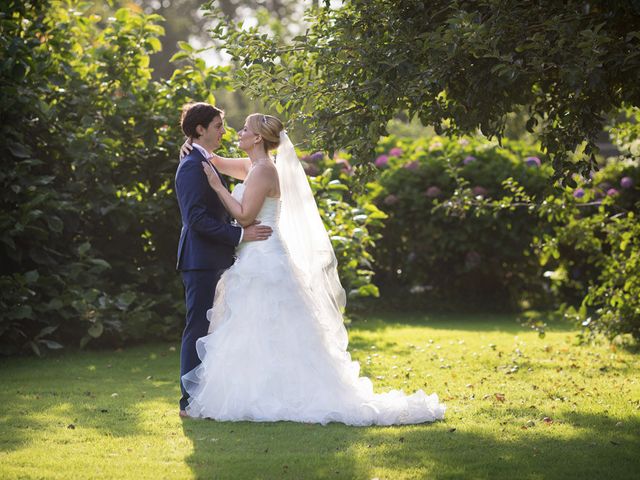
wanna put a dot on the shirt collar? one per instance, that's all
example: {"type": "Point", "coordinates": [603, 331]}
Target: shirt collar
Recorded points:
{"type": "Point", "coordinates": [201, 149]}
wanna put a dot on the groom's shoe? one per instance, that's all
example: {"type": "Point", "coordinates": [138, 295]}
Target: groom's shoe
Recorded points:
{"type": "Point", "coordinates": [183, 414]}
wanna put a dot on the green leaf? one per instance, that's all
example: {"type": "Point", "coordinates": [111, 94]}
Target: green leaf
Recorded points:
{"type": "Point", "coordinates": [35, 348]}
{"type": "Point", "coordinates": [84, 248]}
{"type": "Point", "coordinates": [186, 47]}
{"type": "Point", "coordinates": [179, 56]}
{"type": "Point", "coordinates": [55, 224]}
{"type": "Point", "coordinates": [125, 299]}
{"type": "Point", "coordinates": [47, 331]}
{"type": "Point", "coordinates": [368, 291]}
{"type": "Point", "coordinates": [19, 151]}
{"type": "Point", "coordinates": [51, 344]}
{"type": "Point", "coordinates": [31, 276]}
{"type": "Point", "coordinates": [99, 262]}
{"type": "Point", "coordinates": [55, 304]}
{"type": "Point", "coordinates": [122, 14]}
{"type": "Point", "coordinates": [155, 44]}
{"type": "Point", "coordinates": [84, 340]}
{"type": "Point", "coordinates": [96, 330]}
{"type": "Point", "coordinates": [21, 313]}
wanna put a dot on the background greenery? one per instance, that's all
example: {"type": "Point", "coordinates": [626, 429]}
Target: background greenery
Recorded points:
{"type": "Point", "coordinates": [89, 218]}
{"type": "Point", "coordinates": [89, 137]}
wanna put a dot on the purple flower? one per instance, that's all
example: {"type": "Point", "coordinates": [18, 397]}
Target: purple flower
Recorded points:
{"type": "Point", "coordinates": [391, 199]}
{"type": "Point", "coordinates": [626, 182]}
{"type": "Point", "coordinates": [532, 161]}
{"type": "Point", "coordinates": [611, 192]}
{"type": "Point", "coordinates": [316, 157]}
{"type": "Point", "coordinates": [578, 193]}
{"type": "Point", "coordinates": [382, 161]}
{"type": "Point", "coordinates": [346, 166]}
{"type": "Point", "coordinates": [412, 165]}
{"type": "Point", "coordinates": [435, 145]}
{"type": "Point", "coordinates": [479, 191]}
{"type": "Point", "coordinates": [433, 192]}
{"type": "Point", "coordinates": [311, 170]}
{"type": "Point", "coordinates": [395, 152]}
{"type": "Point", "coordinates": [469, 159]}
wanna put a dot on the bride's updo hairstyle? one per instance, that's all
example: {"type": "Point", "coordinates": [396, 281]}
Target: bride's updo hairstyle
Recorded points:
{"type": "Point", "coordinates": [268, 127]}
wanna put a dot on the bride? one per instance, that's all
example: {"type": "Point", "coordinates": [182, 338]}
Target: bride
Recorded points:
{"type": "Point", "coordinates": [277, 345]}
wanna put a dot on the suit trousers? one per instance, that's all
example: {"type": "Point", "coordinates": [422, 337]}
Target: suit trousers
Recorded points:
{"type": "Point", "coordinates": [199, 289]}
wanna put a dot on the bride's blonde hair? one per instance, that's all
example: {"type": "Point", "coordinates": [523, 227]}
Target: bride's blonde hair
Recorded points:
{"type": "Point", "coordinates": [268, 127]}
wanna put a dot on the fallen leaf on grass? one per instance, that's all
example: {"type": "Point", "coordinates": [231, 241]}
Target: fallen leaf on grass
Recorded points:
{"type": "Point", "coordinates": [500, 397]}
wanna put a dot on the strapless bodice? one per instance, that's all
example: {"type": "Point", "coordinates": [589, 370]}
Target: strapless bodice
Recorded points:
{"type": "Point", "coordinates": [269, 213]}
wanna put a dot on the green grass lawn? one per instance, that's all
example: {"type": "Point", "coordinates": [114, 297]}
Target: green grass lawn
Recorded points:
{"type": "Point", "coordinates": [517, 407]}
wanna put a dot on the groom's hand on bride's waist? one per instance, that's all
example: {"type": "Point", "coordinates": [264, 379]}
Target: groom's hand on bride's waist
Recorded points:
{"type": "Point", "coordinates": [256, 232]}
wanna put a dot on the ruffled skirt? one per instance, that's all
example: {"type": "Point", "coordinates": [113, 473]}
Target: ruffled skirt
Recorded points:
{"type": "Point", "coordinates": [267, 358]}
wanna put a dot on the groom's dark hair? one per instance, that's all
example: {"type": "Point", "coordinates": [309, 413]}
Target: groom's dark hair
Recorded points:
{"type": "Point", "coordinates": [194, 114]}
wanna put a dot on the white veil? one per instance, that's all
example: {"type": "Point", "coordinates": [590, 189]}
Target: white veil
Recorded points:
{"type": "Point", "coordinates": [308, 242]}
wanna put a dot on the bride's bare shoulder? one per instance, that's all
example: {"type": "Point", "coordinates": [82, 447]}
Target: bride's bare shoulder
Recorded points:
{"type": "Point", "coordinates": [263, 171]}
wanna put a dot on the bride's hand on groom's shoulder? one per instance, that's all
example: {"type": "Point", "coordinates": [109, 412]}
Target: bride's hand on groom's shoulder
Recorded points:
{"type": "Point", "coordinates": [212, 176]}
{"type": "Point", "coordinates": [185, 148]}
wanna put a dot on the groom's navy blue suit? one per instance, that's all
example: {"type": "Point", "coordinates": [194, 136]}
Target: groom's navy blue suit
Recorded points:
{"type": "Point", "coordinates": [206, 249]}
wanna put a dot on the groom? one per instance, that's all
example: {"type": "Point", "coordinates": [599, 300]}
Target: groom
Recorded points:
{"type": "Point", "coordinates": [208, 238]}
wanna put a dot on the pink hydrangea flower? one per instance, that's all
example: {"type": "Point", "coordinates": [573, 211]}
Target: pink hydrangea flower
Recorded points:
{"type": "Point", "coordinates": [395, 152]}
{"type": "Point", "coordinates": [346, 166]}
{"type": "Point", "coordinates": [611, 192]}
{"type": "Point", "coordinates": [435, 145]}
{"type": "Point", "coordinates": [433, 192]}
{"type": "Point", "coordinates": [382, 161]}
{"type": "Point", "coordinates": [578, 193]}
{"type": "Point", "coordinates": [479, 191]}
{"type": "Point", "coordinates": [469, 159]}
{"type": "Point", "coordinates": [532, 161]}
{"type": "Point", "coordinates": [412, 165]}
{"type": "Point", "coordinates": [391, 199]}
{"type": "Point", "coordinates": [626, 182]}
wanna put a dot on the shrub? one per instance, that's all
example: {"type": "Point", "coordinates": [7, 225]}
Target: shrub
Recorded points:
{"type": "Point", "coordinates": [592, 256]}
{"type": "Point", "coordinates": [89, 148]}
{"type": "Point", "coordinates": [463, 257]}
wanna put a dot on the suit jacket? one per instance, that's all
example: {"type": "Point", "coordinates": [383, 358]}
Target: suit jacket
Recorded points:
{"type": "Point", "coordinates": [207, 239]}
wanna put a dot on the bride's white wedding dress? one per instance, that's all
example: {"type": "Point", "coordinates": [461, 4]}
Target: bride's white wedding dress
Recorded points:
{"type": "Point", "coordinates": [267, 356]}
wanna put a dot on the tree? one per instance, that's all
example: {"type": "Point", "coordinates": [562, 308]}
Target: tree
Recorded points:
{"type": "Point", "coordinates": [89, 144]}
{"type": "Point", "coordinates": [456, 65]}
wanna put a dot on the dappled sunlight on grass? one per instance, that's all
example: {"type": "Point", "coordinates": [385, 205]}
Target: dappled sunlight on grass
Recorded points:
{"type": "Point", "coordinates": [516, 404]}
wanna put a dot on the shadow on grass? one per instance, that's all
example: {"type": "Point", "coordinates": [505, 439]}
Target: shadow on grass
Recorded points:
{"type": "Point", "coordinates": [101, 391]}
{"type": "Point", "coordinates": [289, 450]}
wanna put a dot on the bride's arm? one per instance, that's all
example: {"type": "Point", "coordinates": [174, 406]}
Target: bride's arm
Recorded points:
{"type": "Point", "coordinates": [233, 167]}
{"type": "Point", "coordinates": [256, 190]}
